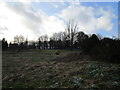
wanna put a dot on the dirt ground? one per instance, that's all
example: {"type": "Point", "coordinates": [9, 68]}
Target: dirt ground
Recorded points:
{"type": "Point", "coordinates": [46, 69]}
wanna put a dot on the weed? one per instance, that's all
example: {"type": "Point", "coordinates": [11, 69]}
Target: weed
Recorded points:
{"type": "Point", "coordinates": [55, 85]}
{"type": "Point", "coordinates": [77, 82]}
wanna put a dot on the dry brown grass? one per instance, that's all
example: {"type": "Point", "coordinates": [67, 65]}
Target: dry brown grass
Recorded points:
{"type": "Point", "coordinates": [46, 69]}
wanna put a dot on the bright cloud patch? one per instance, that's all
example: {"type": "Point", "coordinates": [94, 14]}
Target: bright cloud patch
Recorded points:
{"type": "Point", "coordinates": [89, 19]}
{"type": "Point", "coordinates": [21, 19]}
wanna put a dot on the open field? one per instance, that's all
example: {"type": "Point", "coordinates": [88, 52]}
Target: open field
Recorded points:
{"type": "Point", "coordinates": [45, 69]}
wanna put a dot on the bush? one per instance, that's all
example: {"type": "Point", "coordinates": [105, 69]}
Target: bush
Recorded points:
{"type": "Point", "coordinates": [107, 51]}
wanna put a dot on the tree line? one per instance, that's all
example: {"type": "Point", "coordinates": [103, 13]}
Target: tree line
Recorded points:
{"type": "Point", "coordinates": [103, 49]}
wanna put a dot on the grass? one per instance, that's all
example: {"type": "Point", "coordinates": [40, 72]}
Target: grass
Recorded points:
{"type": "Point", "coordinates": [45, 69]}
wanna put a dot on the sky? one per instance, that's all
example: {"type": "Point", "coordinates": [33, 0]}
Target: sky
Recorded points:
{"type": "Point", "coordinates": [33, 19]}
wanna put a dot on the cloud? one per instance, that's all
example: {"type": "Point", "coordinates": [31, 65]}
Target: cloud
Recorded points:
{"type": "Point", "coordinates": [89, 19]}
{"type": "Point", "coordinates": [15, 15]}
{"type": "Point", "coordinates": [22, 19]}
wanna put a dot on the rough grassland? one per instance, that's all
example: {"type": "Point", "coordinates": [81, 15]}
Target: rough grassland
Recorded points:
{"type": "Point", "coordinates": [45, 69]}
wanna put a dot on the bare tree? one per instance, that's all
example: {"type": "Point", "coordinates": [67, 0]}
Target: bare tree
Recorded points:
{"type": "Point", "coordinates": [19, 39]}
{"type": "Point", "coordinates": [55, 36]}
{"type": "Point", "coordinates": [43, 41]}
{"type": "Point", "coordinates": [71, 31]}
{"type": "Point", "coordinates": [59, 36]}
{"type": "Point", "coordinates": [43, 38]}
